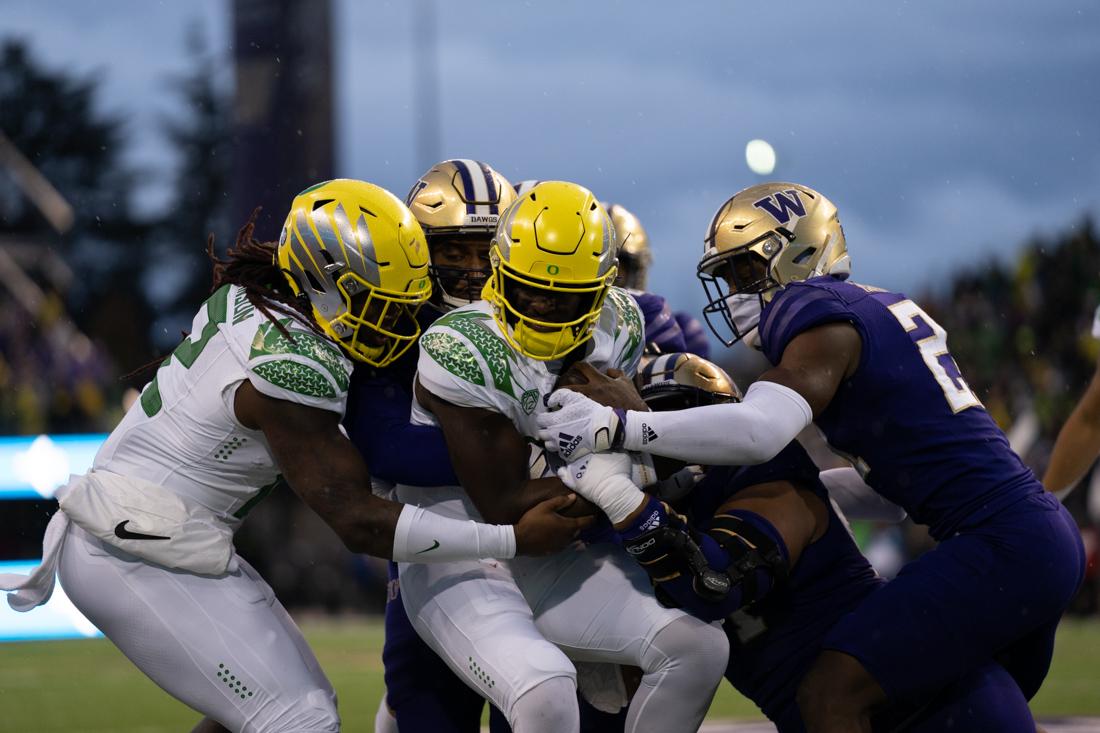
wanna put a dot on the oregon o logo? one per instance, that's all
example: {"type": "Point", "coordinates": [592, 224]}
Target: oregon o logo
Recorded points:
{"type": "Point", "coordinates": [553, 269]}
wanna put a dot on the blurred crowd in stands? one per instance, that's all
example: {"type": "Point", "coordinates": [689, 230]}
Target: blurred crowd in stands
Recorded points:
{"type": "Point", "coordinates": [51, 381]}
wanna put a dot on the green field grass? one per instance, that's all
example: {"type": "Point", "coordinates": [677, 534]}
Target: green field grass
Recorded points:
{"type": "Point", "coordinates": [88, 686]}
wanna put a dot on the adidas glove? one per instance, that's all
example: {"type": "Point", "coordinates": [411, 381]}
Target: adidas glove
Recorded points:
{"type": "Point", "coordinates": [576, 425]}
{"type": "Point", "coordinates": [604, 479]}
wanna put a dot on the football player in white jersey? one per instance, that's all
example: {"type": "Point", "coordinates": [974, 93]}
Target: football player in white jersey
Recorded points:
{"type": "Point", "coordinates": [457, 203]}
{"type": "Point", "coordinates": [143, 542]}
{"type": "Point", "coordinates": [512, 629]}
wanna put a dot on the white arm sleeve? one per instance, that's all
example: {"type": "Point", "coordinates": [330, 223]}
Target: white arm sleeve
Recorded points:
{"type": "Point", "coordinates": [856, 499]}
{"type": "Point", "coordinates": [424, 536]}
{"type": "Point", "coordinates": [742, 433]}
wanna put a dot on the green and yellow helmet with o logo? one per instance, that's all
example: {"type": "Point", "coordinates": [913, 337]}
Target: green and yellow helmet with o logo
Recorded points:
{"type": "Point", "coordinates": [556, 239]}
{"type": "Point", "coordinates": [359, 256]}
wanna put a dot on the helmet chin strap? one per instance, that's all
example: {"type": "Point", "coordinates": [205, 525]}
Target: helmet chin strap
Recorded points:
{"type": "Point", "coordinates": [449, 302]}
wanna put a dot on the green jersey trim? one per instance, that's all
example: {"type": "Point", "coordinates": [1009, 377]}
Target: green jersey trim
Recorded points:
{"type": "Point", "coordinates": [269, 341]}
{"type": "Point", "coordinates": [451, 354]}
{"type": "Point", "coordinates": [498, 356]}
{"type": "Point", "coordinates": [630, 319]}
{"type": "Point", "coordinates": [296, 377]}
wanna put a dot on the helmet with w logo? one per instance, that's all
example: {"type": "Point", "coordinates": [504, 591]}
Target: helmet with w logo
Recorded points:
{"type": "Point", "coordinates": [357, 255]}
{"type": "Point", "coordinates": [553, 260]}
{"type": "Point", "coordinates": [761, 239]}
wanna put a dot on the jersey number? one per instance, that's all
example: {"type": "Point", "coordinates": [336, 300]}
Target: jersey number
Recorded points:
{"type": "Point", "coordinates": [933, 349]}
{"type": "Point", "coordinates": [188, 351]}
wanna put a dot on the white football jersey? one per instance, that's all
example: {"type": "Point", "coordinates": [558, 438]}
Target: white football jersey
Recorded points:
{"type": "Point", "coordinates": [183, 432]}
{"type": "Point", "coordinates": [465, 360]}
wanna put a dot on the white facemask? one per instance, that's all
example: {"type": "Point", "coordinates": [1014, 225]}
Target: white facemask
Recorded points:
{"type": "Point", "coordinates": [744, 311]}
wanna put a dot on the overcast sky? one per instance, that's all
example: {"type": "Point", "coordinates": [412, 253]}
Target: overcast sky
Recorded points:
{"type": "Point", "coordinates": [945, 131]}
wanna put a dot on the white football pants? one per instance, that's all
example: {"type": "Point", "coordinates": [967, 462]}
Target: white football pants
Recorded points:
{"type": "Point", "coordinates": [223, 645]}
{"type": "Point", "coordinates": [506, 627]}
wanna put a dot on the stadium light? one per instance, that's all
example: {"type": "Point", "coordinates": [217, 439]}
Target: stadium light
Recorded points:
{"type": "Point", "coordinates": [760, 156]}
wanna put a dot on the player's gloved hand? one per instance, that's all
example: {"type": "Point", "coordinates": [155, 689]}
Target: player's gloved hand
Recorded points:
{"type": "Point", "coordinates": [542, 530]}
{"type": "Point", "coordinates": [576, 426]}
{"type": "Point", "coordinates": [604, 479]}
{"type": "Point", "coordinates": [678, 485]}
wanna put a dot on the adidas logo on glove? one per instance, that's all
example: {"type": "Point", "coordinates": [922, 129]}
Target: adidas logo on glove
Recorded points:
{"type": "Point", "coordinates": [567, 444]}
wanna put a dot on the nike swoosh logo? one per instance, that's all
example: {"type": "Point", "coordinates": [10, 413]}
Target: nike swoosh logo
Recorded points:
{"type": "Point", "coordinates": [429, 549]}
{"type": "Point", "coordinates": [124, 534]}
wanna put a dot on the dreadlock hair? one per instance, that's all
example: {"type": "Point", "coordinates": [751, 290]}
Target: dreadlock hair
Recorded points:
{"type": "Point", "coordinates": [251, 264]}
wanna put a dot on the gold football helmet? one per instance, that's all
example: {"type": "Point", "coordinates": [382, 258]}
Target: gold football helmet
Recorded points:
{"type": "Point", "coordinates": [631, 247]}
{"type": "Point", "coordinates": [680, 380]}
{"type": "Point", "coordinates": [553, 260]}
{"type": "Point", "coordinates": [761, 239]}
{"type": "Point", "coordinates": [458, 203]}
{"type": "Point", "coordinates": [359, 257]}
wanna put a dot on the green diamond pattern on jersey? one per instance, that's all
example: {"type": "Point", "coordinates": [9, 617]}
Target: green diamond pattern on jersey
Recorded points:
{"type": "Point", "coordinates": [269, 341]}
{"type": "Point", "coordinates": [295, 377]}
{"type": "Point", "coordinates": [453, 356]}
{"type": "Point", "coordinates": [497, 354]}
{"type": "Point", "coordinates": [628, 317]}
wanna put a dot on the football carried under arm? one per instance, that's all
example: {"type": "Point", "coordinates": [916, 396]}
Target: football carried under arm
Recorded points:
{"type": "Point", "coordinates": [490, 458]}
{"type": "Point", "coordinates": [326, 470]}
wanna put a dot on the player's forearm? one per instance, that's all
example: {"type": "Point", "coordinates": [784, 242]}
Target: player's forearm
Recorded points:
{"type": "Point", "coordinates": [749, 432]}
{"type": "Point", "coordinates": [405, 533]}
{"type": "Point", "coordinates": [1075, 450]}
{"type": "Point", "coordinates": [507, 506]}
{"type": "Point", "coordinates": [424, 536]}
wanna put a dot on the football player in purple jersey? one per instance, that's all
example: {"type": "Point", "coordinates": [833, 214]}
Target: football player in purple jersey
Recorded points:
{"type": "Point", "coordinates": [873, 371]}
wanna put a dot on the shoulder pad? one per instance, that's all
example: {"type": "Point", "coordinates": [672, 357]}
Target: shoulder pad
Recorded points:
{"type": "Point", "coordinates": [458, 355]}
{"type": "Point", "coordinates": [306, 368]}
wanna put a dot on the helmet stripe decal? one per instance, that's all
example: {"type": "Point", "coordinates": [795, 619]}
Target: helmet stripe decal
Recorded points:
{"type": "Point", "coordinates": [474, 182]}
{"type": "Point", "coordinates": [491, 187]}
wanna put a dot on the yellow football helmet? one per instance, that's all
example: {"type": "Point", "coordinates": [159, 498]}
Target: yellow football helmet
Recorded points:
{"type": "Point", "coordinates": [631, 247]}
{"type": "Point", "coordinates": [553, 260]}
{"type": "Point", "coordinates": [680, 380]}
{"type": "Point", "coordinates": [458, 202]}
{"type": "Point", "coordinates": [761, 239]}
{"type": "Point", "coordinates": [357, 254]}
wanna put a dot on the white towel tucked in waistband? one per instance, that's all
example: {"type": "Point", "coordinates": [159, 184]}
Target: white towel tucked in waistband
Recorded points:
{"type": "Point", "coordinates": [35, 589]}
{"type": "Point", "coordinates": [139, 517]}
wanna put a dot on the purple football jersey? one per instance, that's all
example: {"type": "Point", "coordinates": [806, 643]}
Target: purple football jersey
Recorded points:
{"type": "Point", "coordinates": [906, 418]}
{"type": "Point", "coordinates": [661, 329]}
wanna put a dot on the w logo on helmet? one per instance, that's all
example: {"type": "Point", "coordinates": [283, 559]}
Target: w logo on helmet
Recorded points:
{"type": "Point", "coordinates": [782, 204]}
